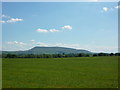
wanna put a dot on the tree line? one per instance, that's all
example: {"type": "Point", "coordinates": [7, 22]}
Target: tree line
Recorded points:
{"type": "Point", "coordinates": [56, 55]}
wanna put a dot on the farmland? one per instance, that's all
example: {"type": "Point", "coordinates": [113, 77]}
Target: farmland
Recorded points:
{"type": "Point", "coordinates": [74, 72]}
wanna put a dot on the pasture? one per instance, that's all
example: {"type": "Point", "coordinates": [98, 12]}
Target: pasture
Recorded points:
{"type": "Point", "coordinates": [75, 72]}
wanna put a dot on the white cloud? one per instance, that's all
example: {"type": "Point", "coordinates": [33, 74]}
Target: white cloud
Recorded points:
{"type": "Point", "coordinates": [32, 40]}
{"type": "Point", "coordinates": [58, 45]}
{"type": "Point", "coordinates": [42, 44]}
{"type": "Point", "coordinates": [93, 0]}
{"type": "Point", "coordinates": [67, 27]}
{"type": "Point", "coordinates": [14, 20]}
{"type": "Point", "coordinates": [9, 19]}
{"type": "Point", "coordinates": [12, 42]}
{"type": "Point", "coordinates": [105, 9]}
{"type": "Point", "coordinates": [14, 46]}
{"type": "Point", "coordinates": [53, 30]}
{"type": "Point", "coordinates": [42, 30]}
{"type": "Point", "coordinates": [4, 16]}
{"type": "Point", "coordinates": [2, 21]}
{"type": "Point", "coordinates": [9, 42]}
{"type": "Point", "coordinates": [45, 30]}
{"type": "Point", "coordinates": [117, 7]}
{"type": "Point", "coordinates": [21, 43]}
{"type": "Point", "coordinates": [15, 43]}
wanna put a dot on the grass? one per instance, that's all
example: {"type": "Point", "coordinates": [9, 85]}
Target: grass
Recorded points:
{"type": "Point", "coordinates": [0, 73]}
{"type": "Point", "coordinates": [78, 72]}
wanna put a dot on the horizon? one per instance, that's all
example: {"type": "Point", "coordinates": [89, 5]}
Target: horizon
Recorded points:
{"type": "Point", "coordinates": [59, 47]}
{"type": "Point", "coordinates": [88, 26]}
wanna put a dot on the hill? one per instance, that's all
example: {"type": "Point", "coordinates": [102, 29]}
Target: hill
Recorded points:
{"type": "Point", "coordinates": [48, 50]}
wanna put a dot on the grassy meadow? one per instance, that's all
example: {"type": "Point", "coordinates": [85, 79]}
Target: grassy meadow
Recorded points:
{"type": "Point", "coordinates": [75, 72]}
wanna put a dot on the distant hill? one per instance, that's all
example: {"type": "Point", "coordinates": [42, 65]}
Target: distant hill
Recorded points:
{"type": "Point", "coordinates": [48, 50]}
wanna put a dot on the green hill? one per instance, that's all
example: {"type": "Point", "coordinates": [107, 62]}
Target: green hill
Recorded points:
{"type": "Point", "coordinates": [48, 50]}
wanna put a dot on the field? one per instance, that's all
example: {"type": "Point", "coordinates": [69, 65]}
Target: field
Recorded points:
{"type": "Point", "coordinates": [79, 72]}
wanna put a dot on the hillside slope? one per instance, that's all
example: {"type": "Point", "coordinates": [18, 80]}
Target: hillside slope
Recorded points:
{"type": "Point", "coordinates": [49, 50]}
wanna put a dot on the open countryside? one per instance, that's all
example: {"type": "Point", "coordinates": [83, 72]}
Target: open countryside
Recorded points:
{"type": "Point", "coordinates": [59, 44]}
{"type": "Point", "coordinates": [74, 72]}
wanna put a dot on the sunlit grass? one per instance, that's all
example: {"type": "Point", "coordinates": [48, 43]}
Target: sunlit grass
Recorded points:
{"type": "Point", "coordinates": [80, 72]}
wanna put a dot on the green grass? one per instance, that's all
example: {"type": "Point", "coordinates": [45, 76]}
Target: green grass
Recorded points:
{"type": "Point", "coordinates": [79, 72]}
{"type": "Point", "coordinates": [0, 73]}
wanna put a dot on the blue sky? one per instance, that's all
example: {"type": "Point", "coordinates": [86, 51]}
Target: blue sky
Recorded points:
{"type": "Point", "coordinates": [83, 25]}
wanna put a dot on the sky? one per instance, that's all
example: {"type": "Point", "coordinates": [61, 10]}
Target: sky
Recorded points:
{"type": "Point", "coordinates": [60, 0]}
{"type": "Point", "coordinates": [91, 26]}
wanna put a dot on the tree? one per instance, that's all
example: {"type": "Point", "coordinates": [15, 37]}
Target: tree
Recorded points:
{"type": "Point", "coordinates": [117, 54]}
{"type": "Point", "coordinates": [102, 54]}
{"type": "Point", "coordinates": [11, 56]}
{"type": "Point", "coordinates": [111, 54]}
{"type": "Point", "coordinates": [95, 55]}
{"type": "Point", "coordinates": [87, 55]}
{"type": "Point", "coordinates": [82, 55]}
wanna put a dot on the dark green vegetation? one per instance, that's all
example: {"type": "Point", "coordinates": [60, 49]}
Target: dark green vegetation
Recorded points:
{"type": "Point", "coordinates": [76, 72]}
{"type": "Point", "coordinates": [48, 50]}
{"type": "Point", "coordinates": [56, 55]}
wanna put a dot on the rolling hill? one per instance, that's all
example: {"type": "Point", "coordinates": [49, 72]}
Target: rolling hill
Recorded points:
{"type": "Point", "coordinates": [48, 50]}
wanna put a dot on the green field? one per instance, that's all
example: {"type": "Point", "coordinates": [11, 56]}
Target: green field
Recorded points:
{"type": "Point", "coordinates": [78, 72]}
